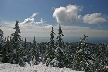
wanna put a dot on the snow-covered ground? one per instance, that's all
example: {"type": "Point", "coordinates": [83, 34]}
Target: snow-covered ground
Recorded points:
{"type": "Point", "coordinates": [6, 67]}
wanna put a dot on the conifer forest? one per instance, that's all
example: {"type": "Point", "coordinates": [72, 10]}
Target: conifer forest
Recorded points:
{"type": "Point", "coordinates": [79, 56]}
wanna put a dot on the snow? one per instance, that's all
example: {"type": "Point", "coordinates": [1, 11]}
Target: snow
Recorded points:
{"type": "Point", "coordinates": [1, 32]}
{"type": "Point", "coordinates": [6, 67]}
{"type": "Point", "coordinates": [80, 51]}
{"type": "Point", "coordinates": [1, 39]}
{"type": "Point", "coordinates": [14, 51]}
{"type": "Point", "coordinates": [55, 62]}
{"type": "Point", "coordinates": [58, 48]}
{"type": "Point", "coordinates": [106, 66]}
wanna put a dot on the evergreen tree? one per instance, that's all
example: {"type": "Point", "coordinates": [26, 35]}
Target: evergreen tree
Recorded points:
{"type": "Point", "coordinates": [82, 56]}
{"type": "Point", "coordinates": [100, 63]}
{"type": "Point", "coordinates": [49, 56]}
{"type": "Point", "coordinates": [60, 42]}
{"type": "Point", "coordinates": [16, 43]}
{"type": "Point", "coordinates": [35, 53]}
{"type": "Point", "coordinates": [25, 51]}
{"type": "Point", "coordinates": [3, 55]}
{"type": "Point", "coordinates": [22, 53]}
{"type": "Point", "coordinates": [6, 51]}
{"type": "Point", "coordinates": [1, 37]}
{"type": "Point", "coordinates": [69, 54]}
{"type": "Point", "coordinates": [59, 51]}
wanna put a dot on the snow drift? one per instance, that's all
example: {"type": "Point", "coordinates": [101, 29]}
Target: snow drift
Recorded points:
{"type": "Point", "coordinates": [6, 67]}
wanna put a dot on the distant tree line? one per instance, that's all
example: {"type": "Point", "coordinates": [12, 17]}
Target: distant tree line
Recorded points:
{"type": "Point", "coordinates": [80, 56]}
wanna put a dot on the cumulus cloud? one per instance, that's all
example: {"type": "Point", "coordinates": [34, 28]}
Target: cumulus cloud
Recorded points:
{"type": "Point", "coordinates": [29, 20]}
{"type": "Point", "coordinates": [68, 14]}
{"type": "Point", "coordinates": [95, 18]}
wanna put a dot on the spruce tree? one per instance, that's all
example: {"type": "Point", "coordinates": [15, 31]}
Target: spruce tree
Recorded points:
{"type": "Point", "coordinates": [22, 54]}
{"type": "Point", "coordinates": [59, 41]}
{"type": "Point", "coordinates": [6, 51]}
{"type": "Point", "coordinates": [3, 52]}
{"type": "Point", "coordinates": [100, 63]}
{"type": "Point", "coordinates": [16, 42]}
{"type": "Point", "coordinates": [35, 52]}
{"type": "Point", "coordinates": [1, 37]}
{"type": "Point", "coordinates": [25, 52]}
{"type": "Point", "coordinates": [49, 56]}
{"type": "Point", "coordinates": [83, 56]}
{"type": "Point", "coordinates": [59, 51]}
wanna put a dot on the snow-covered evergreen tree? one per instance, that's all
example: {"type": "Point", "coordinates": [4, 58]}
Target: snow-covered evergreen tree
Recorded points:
{"type": "Point", "coordinates": [2, 48]}
{"type": "Point", "coordinates": [6, 51]}
{"type": "Point", "coordinates": [82, 57]}
{"type": "Point", "coordinates": [59, 41]}
{"type": "Point", "coordinates": [70, 50]}
{"type": "Point", "coordinates": [16, 43]}
{"type": "Point", "coordinates": [59, 51]}
{"type": "Point", "coordinates": [1, 36]}
{"type": "Point", "coordinates": [50, 49]}
{"type": "Point", "coordinates": [34, 53]}
{"type": "Point", "coordinates": [22, 53]}
{"type": "Point", "coordinates": [100, 56]}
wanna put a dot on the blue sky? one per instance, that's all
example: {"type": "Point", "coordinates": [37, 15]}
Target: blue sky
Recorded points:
{"type": "Point", "coordinates": [36, 17]}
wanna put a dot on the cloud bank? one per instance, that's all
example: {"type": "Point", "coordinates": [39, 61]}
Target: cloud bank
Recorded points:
{"type": "Point", "coordinates": [44, 31]}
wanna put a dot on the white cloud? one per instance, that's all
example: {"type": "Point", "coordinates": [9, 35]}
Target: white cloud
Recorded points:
{"type": "Point", "coordinates": [48, 26]}
{"type": "Point", "coordinates": [29, 20]}
{"type": "Point", "coordinates": [29, 27]}
{"type": "Point", "coordinates": [9, 24]}
{"type": "Point", "coordinates": [68, 14]}
{"type": "Point", "coordinates": [40, 22]}
{"type": "Point", "coordinates": [68, 31]}
{"type": "Point", "coordinates": [44, 31]}
{"type": "Point", "coordinates": [34, 14]}
{"type": "Point", "coordinates": [28, 23]}
{"type": "Point", "coordinates": [95, 18]}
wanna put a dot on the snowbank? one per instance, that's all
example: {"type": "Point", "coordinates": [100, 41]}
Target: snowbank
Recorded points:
{"type": "Point", "coordinates": [6, 67]}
